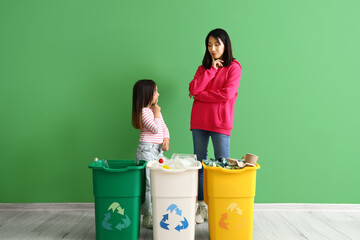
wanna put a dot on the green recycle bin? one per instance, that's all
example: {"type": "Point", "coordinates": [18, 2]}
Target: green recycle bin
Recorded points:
{"type": "Point", "coordinates": [119, 190]}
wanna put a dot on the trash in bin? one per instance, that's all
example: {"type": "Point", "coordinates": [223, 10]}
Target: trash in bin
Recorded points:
{"type": "Point", "coordinates": [118, 187]}
{"type": "Point", "coordinates": [249, 160]}
{"type": "Point", "coordinates": [174, 192]}
{"type": "Point", "coordinates": [229, 194]}
{"type": "Point", "coordinates": [177, 161]}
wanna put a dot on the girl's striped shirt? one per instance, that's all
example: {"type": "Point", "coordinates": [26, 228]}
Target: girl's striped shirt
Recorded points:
{"type": "Point", "coordinates": [154, 130]}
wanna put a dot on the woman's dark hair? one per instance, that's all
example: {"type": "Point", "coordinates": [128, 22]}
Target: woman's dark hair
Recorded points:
{"type": "Point", "coordinates": [227, 56]}
{"type": "Point", "coordinates": [143, 93]}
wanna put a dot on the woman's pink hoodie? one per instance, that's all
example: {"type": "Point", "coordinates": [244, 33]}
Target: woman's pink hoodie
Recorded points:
{"type": "Point", "coordinates": [215, 94]}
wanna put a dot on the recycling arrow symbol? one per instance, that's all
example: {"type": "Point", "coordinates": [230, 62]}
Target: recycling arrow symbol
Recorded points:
{"type": "Point", "coordinates": [115, 211]}
{"type": "Point", "coordinates": [126, 222]}
{"type": "Point", "coordinates": [184, 225]}
{"type": "Point", "coordinates": [174, 209]}
{"type": "Point", "coordinates": [163, 223]}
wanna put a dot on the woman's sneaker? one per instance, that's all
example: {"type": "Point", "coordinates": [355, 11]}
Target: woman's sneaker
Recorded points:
{"type": "Point", "coordinates": [201, 213]}
{"type": "Point", "coordinates": [148, 222]}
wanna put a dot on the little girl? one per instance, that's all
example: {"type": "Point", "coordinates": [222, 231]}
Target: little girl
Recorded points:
{"type": "Point", "coordinates": [154, 135]}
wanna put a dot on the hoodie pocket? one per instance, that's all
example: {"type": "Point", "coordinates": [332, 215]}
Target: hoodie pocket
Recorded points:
{"type": "Point", "coordinates": [220, 112]}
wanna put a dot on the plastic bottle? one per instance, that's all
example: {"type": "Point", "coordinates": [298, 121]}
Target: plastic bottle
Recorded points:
{"type": "Point", "coordinates": [98, 163]}
{"type": "Point", "coordinates": [184, 160]}
{"type": "Point", "coordinates": [163, 162]}
{"type": "Point", "coordinates": [166, 163]}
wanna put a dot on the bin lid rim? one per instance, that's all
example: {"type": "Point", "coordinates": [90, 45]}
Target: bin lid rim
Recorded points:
{"type": "Point", "coordinates": [231, 170]}
{"type": "Point", "coordinates": [151, 167]}
{"type": "Point", "coordinates": [94, 166]}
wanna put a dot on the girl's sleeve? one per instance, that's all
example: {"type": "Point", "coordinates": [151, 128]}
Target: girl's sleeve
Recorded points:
{"type": "Point", "coordinates": [227, 92]}
{"type": "Point", "coordinates": [149, 122]}
{"type": "Point", "coordinates": [164, 127]}
{"type": "Point", "coordinates": [201, 79]}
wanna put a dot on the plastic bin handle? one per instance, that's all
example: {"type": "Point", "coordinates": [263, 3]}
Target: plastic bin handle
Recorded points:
{"type": "Point", "coordinates": [172, 170]}
{"type": "Point", "coordinates": [117, 170]}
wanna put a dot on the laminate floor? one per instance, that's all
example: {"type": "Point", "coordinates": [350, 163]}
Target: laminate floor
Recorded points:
{"type": "Point", "coordinates": [45, 221]}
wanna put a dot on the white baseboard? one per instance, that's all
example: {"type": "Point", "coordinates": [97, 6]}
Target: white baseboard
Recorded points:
{"type": "Point", "coordinates": [258, 207]}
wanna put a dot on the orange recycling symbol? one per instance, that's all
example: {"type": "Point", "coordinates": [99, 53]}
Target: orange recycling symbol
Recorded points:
{"type": "Point", "coordinates": [233, 218]}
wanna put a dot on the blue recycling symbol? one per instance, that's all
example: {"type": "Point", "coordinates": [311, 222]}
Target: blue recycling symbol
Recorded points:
{"type": "Point", "coordinates": [173, 211]}
{"type": "Point", "coordinates": [115, 217]}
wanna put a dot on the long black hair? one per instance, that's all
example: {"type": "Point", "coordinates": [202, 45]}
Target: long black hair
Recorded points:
{"type": "Point", "coordinates": [143, 93]}
{"type": "Point", "coordinates": [227, 56]}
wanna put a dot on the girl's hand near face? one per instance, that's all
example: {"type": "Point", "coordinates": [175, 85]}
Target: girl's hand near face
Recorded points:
{"type": "Point", "coordinates": [217, 63]}
{"type": "Point", "coordinates": [165, 144]}
{"type": "Point", "coordinates": [156, 110]}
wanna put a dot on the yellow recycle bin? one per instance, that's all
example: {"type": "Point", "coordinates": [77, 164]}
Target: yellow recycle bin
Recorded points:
{"type": "Point", "coordinates": [229, 195]}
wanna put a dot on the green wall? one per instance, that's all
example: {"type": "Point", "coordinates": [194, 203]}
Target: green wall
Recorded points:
{"type": "Point", "coordinates": [67, 69]}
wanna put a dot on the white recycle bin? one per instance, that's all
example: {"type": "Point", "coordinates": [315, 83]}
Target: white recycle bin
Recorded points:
{"type": "Point", "coordinates": [174, 193]}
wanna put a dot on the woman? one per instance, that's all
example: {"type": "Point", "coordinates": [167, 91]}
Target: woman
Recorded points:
{"type": "Point", "coordinates": [214, 90]}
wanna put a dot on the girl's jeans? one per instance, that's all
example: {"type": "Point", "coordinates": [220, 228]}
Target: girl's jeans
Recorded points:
{"type": "Point", "coordinates": [221, 143]}
{"type": "Point", "coordinates": [148, 151]}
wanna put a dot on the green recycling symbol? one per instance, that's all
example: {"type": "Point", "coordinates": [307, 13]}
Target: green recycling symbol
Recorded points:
{"type": "Point", "coordinates": [115, 217]}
